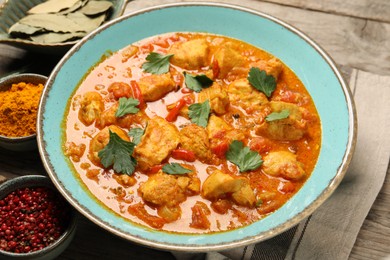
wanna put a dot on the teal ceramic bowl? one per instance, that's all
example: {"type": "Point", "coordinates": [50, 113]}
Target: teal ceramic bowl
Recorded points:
{"type": "Point", "coordinates": [313, 66]}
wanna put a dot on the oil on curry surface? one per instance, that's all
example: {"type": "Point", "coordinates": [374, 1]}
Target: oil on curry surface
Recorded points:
{"type": "Point", "coordinates": [192, 133]}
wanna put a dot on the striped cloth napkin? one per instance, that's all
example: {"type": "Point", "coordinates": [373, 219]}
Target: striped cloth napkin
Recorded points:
{"type": "Point", "coordinates": [330, 232]}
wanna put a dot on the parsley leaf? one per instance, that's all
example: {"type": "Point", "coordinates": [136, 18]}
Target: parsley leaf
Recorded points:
{"type": "Point", "coordinates": [127, 106]}
{"type": "Point", "coordinates": [199, 113]}
{"type": "Point", "coordinates": [197, 82]}
{"type": "Point", "coordinates": [157, 63]}
{"type": "Point", "coordinates": [175, 168]}
{"type": "Point", "coordinates": [261, 81]}
{"type": "Point", "coordinates": [243, 157]}
{"type": "Point", "coordinates": [136, 133]}
{"type": "Point", "coordinates": [278, 115]}
{"type": "Point", "coordinates": [118, 153]}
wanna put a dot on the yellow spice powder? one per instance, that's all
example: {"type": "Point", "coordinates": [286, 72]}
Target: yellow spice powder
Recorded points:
{"type": "Point", "coordinates": [18, 109]}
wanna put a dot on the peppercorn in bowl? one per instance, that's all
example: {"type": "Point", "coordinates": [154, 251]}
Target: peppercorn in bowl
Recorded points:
{"type": "Point", "coordinates": [19, 100]}
{"type": "Point", "coordinates": [36, 222]}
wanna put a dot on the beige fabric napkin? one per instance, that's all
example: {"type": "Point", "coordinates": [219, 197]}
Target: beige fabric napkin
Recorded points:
{"type": "Point", "coordinates": [330, 232]}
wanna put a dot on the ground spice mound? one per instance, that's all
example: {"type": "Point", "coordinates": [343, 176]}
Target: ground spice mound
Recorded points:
{"type": "Point", "coordinates": [18, 109]}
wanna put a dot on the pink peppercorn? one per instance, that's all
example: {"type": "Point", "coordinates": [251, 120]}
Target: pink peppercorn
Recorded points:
{"type": "Point", "coordinates": [31, 219]}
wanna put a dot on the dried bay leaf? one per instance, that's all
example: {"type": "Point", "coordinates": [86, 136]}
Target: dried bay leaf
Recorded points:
{"type": "Point", "coordinates": [52, 6]}
{"type": "Point", "coordinates": [52, 37]}
{"type": "Point", "coordinates": [95, 7]}
{"type": "Point", "coordinates": [87, 24]}
{"type": "Point", "coordinates": [23, 29]}
{"type": "Point", "coordinates": [51, 22]}
{"type": "Point", "coordinates": [56, 21]}
{"type": "Point", "coordinates": [74, 8]}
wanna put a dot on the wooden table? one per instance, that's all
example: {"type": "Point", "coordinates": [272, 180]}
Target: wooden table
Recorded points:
{"type": "Point", "coordinates": [356, 33]}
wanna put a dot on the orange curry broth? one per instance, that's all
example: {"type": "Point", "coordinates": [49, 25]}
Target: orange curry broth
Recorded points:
{"type": "Point", "coordinates": [271, 191]}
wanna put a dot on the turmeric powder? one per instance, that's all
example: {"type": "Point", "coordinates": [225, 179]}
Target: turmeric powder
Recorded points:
{"type": "Point", "coordinates": [18, 109]}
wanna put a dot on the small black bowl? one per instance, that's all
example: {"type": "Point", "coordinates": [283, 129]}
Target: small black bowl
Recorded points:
{"type": "Point", "coordinates": [22, 143]}
{"type": "Point", "coordinates": [57, 247]}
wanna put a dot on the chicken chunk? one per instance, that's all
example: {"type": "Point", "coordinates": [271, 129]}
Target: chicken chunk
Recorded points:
{"type": "Point", "coordinates": [216, 126]}
{"type": "Point", "coordinates": [245, 195]}
{"type": "Point", "coordinates": [190, 55]}
{"type": "Point", "coordinates": [291, 128]}
{"type": "Point", "coordinates": [167, 192]}
{"type": "Point", "coordinates": [154, 87]}
{"type": "Point", "coordinates": [218, 97]}
{"type": "Point", "coordinates": [219, 185]}
{"type": "Point", "coordinates": [107, 117]}
{"type": "Point", "coordinates": [189, 182]}
{"type": "Point", "coordinates": [101, 139]}
{"type": "Point", "coordinates": [272, 67]}
{"type": "Point", "coordinates": [242, 94]}
{"type": "Point", "coordinates": [194, 138]}
{"type": "Point", "coordinates": [221, 135]}
{"type": "Point", "coordinates": [227, 58]}
{"type": "Point", "coordinates": [162, 189]}
{"type": "Point", "coordinates": [160, 138]}
{"type": "Point", "coordinates": [91, 106]}
{"type": "Point", "coordinates": [283, 164]}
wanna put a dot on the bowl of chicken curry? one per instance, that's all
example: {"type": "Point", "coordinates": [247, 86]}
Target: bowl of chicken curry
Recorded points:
{"type": "Point", "coordinates": [197, 134]}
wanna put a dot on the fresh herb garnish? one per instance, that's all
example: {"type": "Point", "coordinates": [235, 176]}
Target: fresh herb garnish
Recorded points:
{"type": "Point", "coordinates": [243, 157]}
{"type": "Point", "coordinates": [157, 63]}
{"type": "Point", "coordinates": [278, 115]}
{"type": "Point", "coordinates": [136, 133]}
{"type": "Point", "coordinates": [118, 153]}
{"type": "Point", "coordinates": [127, 106]}
{"type": "Point", "coordinates": [199, 113]}
{"type": "Point", "coordinates": [261, 81]}
{"type": "Point", "coordinates": [175, 168]}
{"type": "Point", "coordinates": [197, 82]}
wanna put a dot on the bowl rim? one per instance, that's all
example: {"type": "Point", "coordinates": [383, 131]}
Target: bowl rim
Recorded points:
{"type": "Point", "coordinates": [324, 195]}
{"type": "Point", "coordinates": [38, 181]}
{"type": "Point", "coordinates": [16, 78]}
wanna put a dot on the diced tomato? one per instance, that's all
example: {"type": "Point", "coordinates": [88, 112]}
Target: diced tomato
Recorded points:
{"type": "Point", "coordinates": [220, 134]}
{"type": "Point", "coordinates": [241, 216]}
{"type": "Point", "coordinates": [288, 96]}
{"type": "Point", "coordinates": [286, 187]}
{"type": "Point", "coordinates": [137, 94]}
{"type": "Point", "coordinates": [185, 155]}
{"type": "Point", "coordinates": [120, 89]}
{"type": "Point", "coordinates": [220, 149]}
{"type": "Point", "coordinates": [221, 206]}
{"type": "Point", "coordinates": [139, 211]}
{"type": "Point", "coordinates": [163, 43]}
{"type": "Point", "coordinates": [155, 169]}
{"type": "Point", "coordinates": [147, 48]}
{"type": "Point", "coordinates": [261, 144]}
{"type": "Point", "coordinates": [186, 90]}
{"type": "Point", "coordinates": [215, 68]}
{"type": "Point", "coordinates": [199, 216]}
{"type": "Point", "coordinates": [189, 99]}
{"type": "Point", "coordinates": [173, 38]}
{"type": "Point", "coordinates": [174, 112]}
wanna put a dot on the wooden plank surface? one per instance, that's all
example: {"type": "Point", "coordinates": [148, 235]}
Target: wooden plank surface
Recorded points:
{"type": "Point", "coordinates": [378, 10]}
